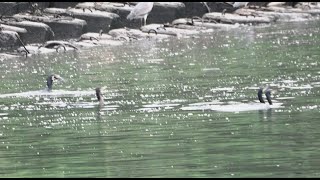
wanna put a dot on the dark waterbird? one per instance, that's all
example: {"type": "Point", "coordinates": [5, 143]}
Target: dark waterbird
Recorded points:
{"type": "Point", "coordinates": [267, 93]}
{"type": "Point", "coordinates": [51, 79]}
{"type": "Point", "coordinates": [99, 95]}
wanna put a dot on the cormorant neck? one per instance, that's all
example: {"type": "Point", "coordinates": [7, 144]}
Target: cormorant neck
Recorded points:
{"type": "Point", "coordinates": [99, 95]}
{"type": "Point", "coordinates": [268, 95]}
{"type": "Point", "coordinates": [260, 92]}
{"type": "Point", "coordinates": [49, 83]}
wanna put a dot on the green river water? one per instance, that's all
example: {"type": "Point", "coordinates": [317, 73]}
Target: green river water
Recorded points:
{"type": "Point", "coordinates": [173, 108]}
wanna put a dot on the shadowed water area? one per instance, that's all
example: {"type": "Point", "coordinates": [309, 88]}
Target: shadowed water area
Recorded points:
{"type": "Point", "coordinates": [173, 108]}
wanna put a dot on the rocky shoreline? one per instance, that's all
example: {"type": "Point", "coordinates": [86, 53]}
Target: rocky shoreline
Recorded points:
{"type": "Point", "coordinates": [28, 28]}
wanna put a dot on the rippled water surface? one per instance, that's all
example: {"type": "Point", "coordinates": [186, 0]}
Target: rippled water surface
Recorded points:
{"type": "Point", "coordinates": [173, 108]}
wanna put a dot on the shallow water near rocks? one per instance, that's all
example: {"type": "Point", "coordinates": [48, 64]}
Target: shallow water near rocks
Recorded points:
{"type": "Point", "coordinates": [173, 108]}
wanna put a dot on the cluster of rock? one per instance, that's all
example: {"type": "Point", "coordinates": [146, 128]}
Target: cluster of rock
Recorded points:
{"type": "Point", "coordinates": [39, 27]}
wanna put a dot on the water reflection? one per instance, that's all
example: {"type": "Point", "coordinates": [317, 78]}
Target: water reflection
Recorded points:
{"type": "Point", "coordinates": [265, 115]}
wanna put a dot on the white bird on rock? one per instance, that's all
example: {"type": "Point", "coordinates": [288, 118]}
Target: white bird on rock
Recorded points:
{"type": "Point", "coordinates": [141, 10]}
{"type": "Point", "coordinates": [240, 4]}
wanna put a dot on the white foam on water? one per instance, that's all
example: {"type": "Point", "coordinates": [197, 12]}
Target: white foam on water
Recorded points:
{"type": "Point", "coordinates": [53, 93]}
{"type": "Point", "coordinates": [231, 106]}
{"type": "Point", "coordinates": [156, 61]}
{"type": "Point", "coordinates": [229, 89]}
{"type": "Point", "coordinates": [308, 86]}
{"type": "Point", "coordinates": [47, 95]}
{"type": "Point", "coordinates": [252, 88]}
{"type": "Point", "coordinates": [176, 100]}
{"type": "Point", "coordinates": [288, 81]}
{"type": "Point", "coordinates": [69, 105]}
{"type": "Point", "coordinates": [159, 105]}
{"type": "Point", "coordinates": [211, 69]}
{"type": "Point", "coordinates": [240, 107]}
{"type": "Point", "coordinates": [149, 109]}
{"type": "Point", "coordinates": [155, 107]}
{"type": "Point", "coordinates": [205, 103]}
{"type": "Point", "coordinates": [108, 109]}
{"type": "Point", "coordinates": [196, 108]}
{"type": "Point", "coordinates": [201, 106]}
{"type": "Point", "coordinates": [280, 98]}
{"type": "Point", "coordinates": [315, 83]}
